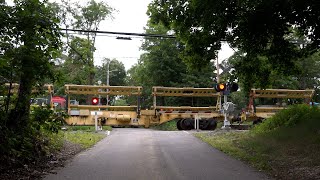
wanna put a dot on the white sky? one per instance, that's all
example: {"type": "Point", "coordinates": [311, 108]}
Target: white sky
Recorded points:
{"type": "Point", "coordinates": [129, 17]}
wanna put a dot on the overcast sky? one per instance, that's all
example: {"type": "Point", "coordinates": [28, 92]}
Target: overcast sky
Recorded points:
{"type": "Point", "coordinates": [129, 17]}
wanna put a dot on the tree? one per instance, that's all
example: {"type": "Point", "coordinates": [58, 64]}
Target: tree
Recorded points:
{"type": "Point", "coordinates": [29, 41]}
{"type": "Point", "coordinates": [257, 28]}
{"type": "Point", "coordinates": [87, 18]}
{"type": "Point", "coordinates": [31, 38]}
{"type": "Point", "coordinates": [161, 65]}
{"type": "Point", "coordinates": [117, 72]}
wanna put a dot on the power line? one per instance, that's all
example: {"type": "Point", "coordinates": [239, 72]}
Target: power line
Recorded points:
{"type": "Point", "coordinates": [123, 33]}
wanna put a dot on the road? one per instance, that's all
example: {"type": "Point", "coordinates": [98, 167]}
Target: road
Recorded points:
{"type": "Point", "coordinates": [145, 154]}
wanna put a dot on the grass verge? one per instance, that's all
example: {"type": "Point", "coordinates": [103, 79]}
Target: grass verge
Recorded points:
{"type": "Point", "coordinates": [85, 139]}
{"type": "Point", "coordinates": [285, 146]}
{"type": "Point", "coordinates": [236, 144]}
{"type": "Point", "coordinates": [88, 128]}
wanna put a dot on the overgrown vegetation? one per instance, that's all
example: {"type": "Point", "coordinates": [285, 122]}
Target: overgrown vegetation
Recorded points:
{"type": "Point", "coordinates": [31, 55]}
{"type": "Point", "coordinates": [35, 141]}
{"type": "Point", "coordinates": [286, 145]}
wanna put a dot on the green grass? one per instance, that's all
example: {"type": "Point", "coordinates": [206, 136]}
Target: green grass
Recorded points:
{"type": "Point", "coordinates": [167, 126]}
{"type": "Point", "coordinates": [85, 139]}
{"type": "Point", "coordinates": [283, 146]}
{"type": "Point", "coordinates": [55, 139]}
{"type": "Point", "coordinates": [87, 128]}
{"type": "Point", "coordinates": [236, 144]}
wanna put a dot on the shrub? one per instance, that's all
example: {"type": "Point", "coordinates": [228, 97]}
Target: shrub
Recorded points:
{"type": "Point", "coordinates": [289, 118]}
{"type": "Point", "coordinates": [36, 139]}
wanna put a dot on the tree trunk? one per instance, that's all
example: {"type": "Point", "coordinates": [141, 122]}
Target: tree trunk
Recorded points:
{"type": "Point", "coordinates": [19, 117]}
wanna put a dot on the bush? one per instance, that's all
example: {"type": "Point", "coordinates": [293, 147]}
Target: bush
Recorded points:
{"type": "Point", "coordinates": [34, 141]}
{"type": "Point", "coordinates": [295, 115]}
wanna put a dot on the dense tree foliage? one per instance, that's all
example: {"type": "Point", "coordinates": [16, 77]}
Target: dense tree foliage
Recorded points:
{"type": "Point", "coordinates": [29, 40]}
{"type": "Point", "coordinates": [161, 65]}
{"type": "Point", "coordinates": [86, 18]}
{"type": "Point", "coordinates": [117, 73]}
{"type": "Point", "coordinates": [257, 28]}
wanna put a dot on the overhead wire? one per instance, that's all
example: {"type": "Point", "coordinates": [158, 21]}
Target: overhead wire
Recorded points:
{"type": "Point", "coordinates": [122, 33]}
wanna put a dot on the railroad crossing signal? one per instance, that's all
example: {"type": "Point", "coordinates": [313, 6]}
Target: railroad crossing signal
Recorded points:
{"type": "Point", "coordinates": [95, 101]}
{"type": "Point", "coordinates": [226, 88]}
{"type": "Point", "coordinates": [220, 87]}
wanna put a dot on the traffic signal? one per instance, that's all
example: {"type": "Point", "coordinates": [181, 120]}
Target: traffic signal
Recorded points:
{"type": "Point", "coordinates": [220, 87]}
{"type": "Point", "coordinates": [95, 101]}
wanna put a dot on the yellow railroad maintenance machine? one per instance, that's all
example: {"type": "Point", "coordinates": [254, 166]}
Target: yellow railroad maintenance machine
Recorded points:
{"type": "Point", "coordinates": [133, 115]}
{"type": "Point", "coordinates": [13, 88]}
{"type": "Point", "coordinates": [187, 117]}
{"type": "Point", "coordinates": [283, 98]}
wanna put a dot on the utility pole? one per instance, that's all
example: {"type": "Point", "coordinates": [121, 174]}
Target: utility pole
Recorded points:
{"type": "Point", "coordinates": [218, 81]}
{"type": "Point", "coordinates": [218, 77]}
{"type": "Point", "coordinates": [99, 83]}
{"type": "Point", "coordinates": [108, 65]}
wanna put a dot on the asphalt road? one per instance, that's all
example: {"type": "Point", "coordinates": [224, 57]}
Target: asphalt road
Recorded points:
{"type": "Point", "coordinates": [145, 154]}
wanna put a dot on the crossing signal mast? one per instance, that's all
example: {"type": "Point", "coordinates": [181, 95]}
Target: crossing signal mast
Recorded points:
{"type": "Point", "coordinates": [226, 89]}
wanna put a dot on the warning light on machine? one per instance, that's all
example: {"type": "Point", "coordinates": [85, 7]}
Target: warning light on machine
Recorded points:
{"type": "Point", "coordinates": [95, 101]}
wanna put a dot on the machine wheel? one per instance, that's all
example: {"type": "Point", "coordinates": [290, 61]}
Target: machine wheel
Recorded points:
{"type": "Point", "coordinates": [185, 124]}
{"type": "Point", "coordinates": [212, 124]}
{"type": "Point", "coordinates": [204, 124]}
{"type": "Point", "coordinates": [178, 125]}
{"type": "Point", "coordinates": [190, 123]}
{"type": "Point", "coordinates": [256, 122]}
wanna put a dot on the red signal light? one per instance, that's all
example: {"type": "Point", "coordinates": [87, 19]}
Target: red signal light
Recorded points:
{"type": "Point", "coordinates": [95, 101]}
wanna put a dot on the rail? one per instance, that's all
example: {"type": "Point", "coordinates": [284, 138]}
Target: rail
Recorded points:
{"type": "Point", "coordinates": [267, 111]}
{"type": "Point", "coordinates": [282, 93]}
{"type": "Point", "coordinates": [112, 108]}
{"type": "Point", "coordinates": [103, 90]}
{"type": "Point", "coordinates": [48, 88]}
{"type": "Point", "coordinates": [184, 92]}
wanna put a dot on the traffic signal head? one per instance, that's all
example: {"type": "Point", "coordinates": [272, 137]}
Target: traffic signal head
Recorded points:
{"type": "Point", "coordinates": [220, 87]}
{"type": "Point", "coordinates": [95, 101]}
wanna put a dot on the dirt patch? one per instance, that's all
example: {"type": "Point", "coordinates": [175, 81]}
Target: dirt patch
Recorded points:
{"type": "Point", "coordinates": [40, 169]}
